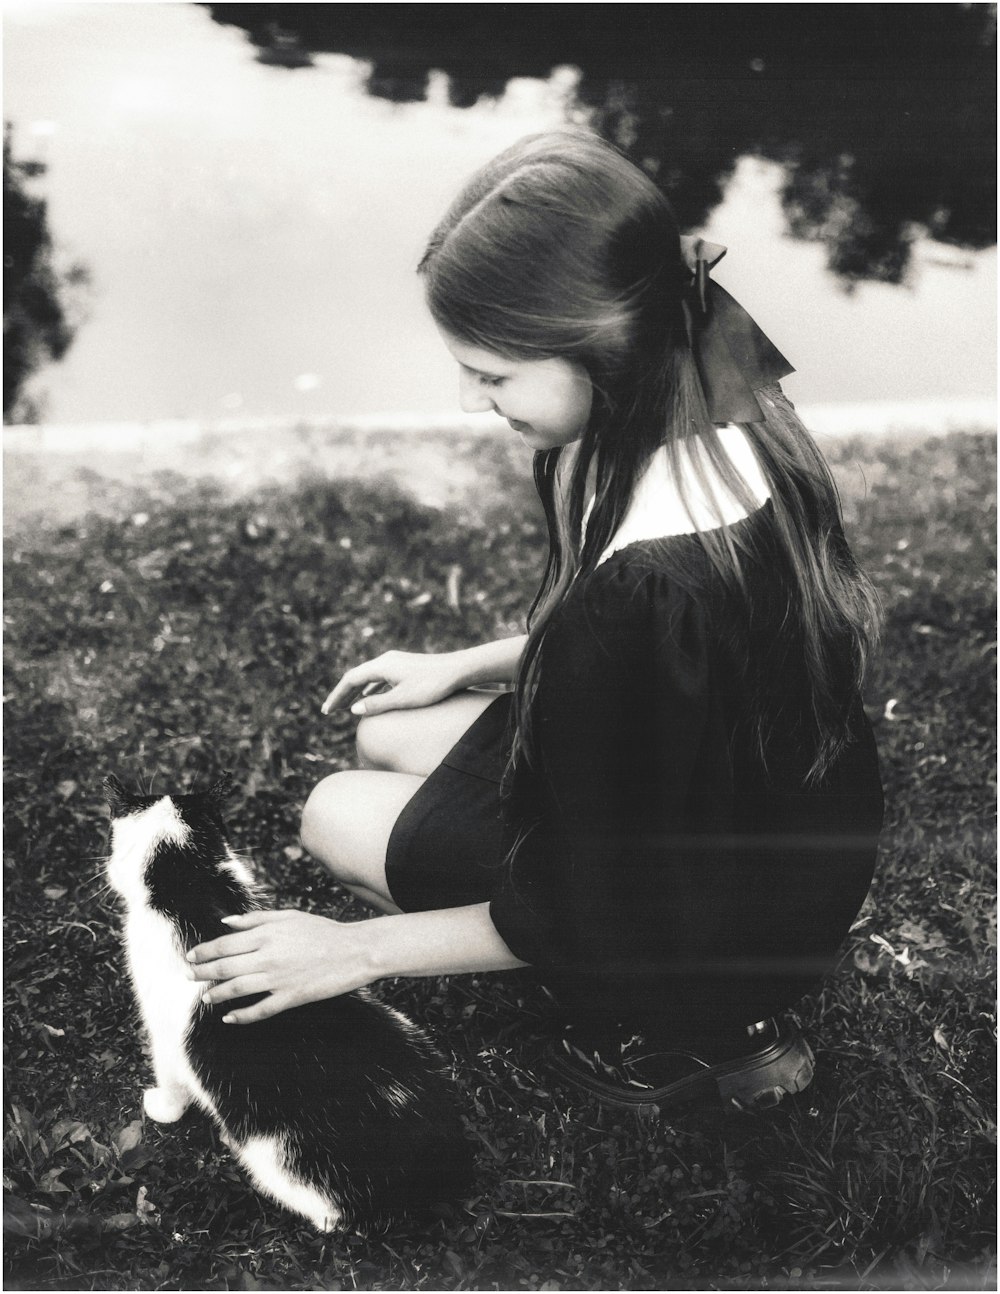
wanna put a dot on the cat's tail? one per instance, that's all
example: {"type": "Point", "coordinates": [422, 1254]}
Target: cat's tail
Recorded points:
{"type": "Point", "coordinates": [272, 1164]}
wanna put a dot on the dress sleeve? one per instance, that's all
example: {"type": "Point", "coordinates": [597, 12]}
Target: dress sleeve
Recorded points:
{"type": "Point", "coordinates": [620, 713]}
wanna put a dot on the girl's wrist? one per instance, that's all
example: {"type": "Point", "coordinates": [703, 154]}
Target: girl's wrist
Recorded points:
{"type": "Point", "coordinates": [464, 664]}
{"type": "Point", "coordinates": [489, 662]}
{"type": "Point", "coordinates": [448, 941]}
{"type": "Point", "coordinates": [375, 952]}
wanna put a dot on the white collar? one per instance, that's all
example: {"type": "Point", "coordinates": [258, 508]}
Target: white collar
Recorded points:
{"type": "Point", "coordinates": [656, 510]}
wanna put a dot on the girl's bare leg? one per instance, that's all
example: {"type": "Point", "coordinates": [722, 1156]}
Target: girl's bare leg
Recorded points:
{"type": "Point", "coordinates": [346, 826]}
{"type": "Point", "coordinates": [415, 741]}
{"type": "Point", "coordinates": [349, 816]}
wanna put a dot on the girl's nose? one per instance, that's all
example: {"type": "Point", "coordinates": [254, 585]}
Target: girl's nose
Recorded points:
{"type": "Point", "coordinates": [471, 396]}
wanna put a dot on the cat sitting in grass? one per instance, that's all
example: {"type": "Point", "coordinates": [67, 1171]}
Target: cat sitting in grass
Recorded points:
{"type": "Point", "coordinates": [338, 1109]}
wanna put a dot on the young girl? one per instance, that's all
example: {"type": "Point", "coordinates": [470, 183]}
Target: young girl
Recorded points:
{"type": "Point", "coordinates": [673, 814]}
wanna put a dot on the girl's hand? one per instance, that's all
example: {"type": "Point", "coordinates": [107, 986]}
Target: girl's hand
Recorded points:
{"type": "Point", "coordinates": [409, 679]}
{"type": "Point", "coordinates": [294, 957]}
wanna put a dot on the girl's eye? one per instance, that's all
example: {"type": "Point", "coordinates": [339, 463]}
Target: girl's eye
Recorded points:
{"type": "Point", "coordinates": [484, 380]}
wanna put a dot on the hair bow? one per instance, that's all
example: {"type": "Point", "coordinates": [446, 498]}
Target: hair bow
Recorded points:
{"type": "Point", "coordinates": [733, 356]}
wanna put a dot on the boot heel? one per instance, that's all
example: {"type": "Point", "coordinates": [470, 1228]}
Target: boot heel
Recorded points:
{"type": "Point", "coordinates": [765, 1085]}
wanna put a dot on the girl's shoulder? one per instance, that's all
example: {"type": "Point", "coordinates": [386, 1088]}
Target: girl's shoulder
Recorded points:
{"type": "Point", "coordinates": [679, 565]}
{"type": "Point", "coordinates": [668, 592]}
{"type": "Point", "coordinates": [674, 498]}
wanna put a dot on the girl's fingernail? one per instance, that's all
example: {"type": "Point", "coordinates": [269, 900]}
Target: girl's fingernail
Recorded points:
{"type": "Point", "coordinates": [206, 999]}
{"type": "Point", "coordinates": [190, 955]}
{"type": "Point", "coordinates": [358, 707]}
{"type": "Point", "coordinates": [228, 920]}
{"type": "Point", "coordinates": [228, 1019]}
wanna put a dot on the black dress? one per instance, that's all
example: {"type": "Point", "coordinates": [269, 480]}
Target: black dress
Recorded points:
{"type": "Point", "coordinates": [666, 874]}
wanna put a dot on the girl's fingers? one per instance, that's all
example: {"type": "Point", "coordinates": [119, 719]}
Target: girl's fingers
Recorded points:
{"type": "Point", "coordinates": [379, 702]}
{"type": "Point", "coordinates": [242, 941]}
{"type": "Point", "coordinates": [354, 680]}
{"type": "Point", "coordinates": [248, 920]}
{"type": "Point", "coordinates": [273, 1004]}
{"type": "Point", "coordinates": [222, 969]}
{"type": "Point", "coordinates": [340, 693]}
{"type": "Point", "coordinates": [366, 678]}
{"type": "Point", "coordinates": [336, 698]}
{"type": "Point", "coordinates": [241, 986]}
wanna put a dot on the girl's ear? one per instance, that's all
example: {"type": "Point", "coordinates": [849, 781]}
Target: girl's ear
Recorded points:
{"type": "Point", "coordinates": [119, 800]}
{"type": "Point", "coordinates": [221, 788]}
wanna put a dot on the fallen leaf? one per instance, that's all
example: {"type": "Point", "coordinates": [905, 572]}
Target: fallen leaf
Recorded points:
{"type": "Point", "coordinates": [20, 1219]}
{"type": "Point", "coordinates": [139, 1157]}
{"type": "Point", "coordinates": [129, 1137]}
{"type": "Point", "coordinates": [144, 1207]}
{"type": "Point", "coordinates": [120, 1222]}
{"type": "Point", "coordinates": [920, 935]}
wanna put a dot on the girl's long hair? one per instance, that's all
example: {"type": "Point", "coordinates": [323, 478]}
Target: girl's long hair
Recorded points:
{"type": "Point", "coordinates": [561, 247]}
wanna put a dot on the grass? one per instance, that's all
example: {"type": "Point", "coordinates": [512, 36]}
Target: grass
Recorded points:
{"type": "Point", "coordinates": [195, 632]}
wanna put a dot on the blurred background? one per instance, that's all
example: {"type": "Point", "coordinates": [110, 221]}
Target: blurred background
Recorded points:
{"type": "Point", "coordinates": [214, 212]}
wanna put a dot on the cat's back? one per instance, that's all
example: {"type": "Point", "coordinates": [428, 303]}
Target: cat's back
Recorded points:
{"type": "Point", "coordinates": [351, 1090]}
{"type": "Point", "coordinates": [350, 1045]}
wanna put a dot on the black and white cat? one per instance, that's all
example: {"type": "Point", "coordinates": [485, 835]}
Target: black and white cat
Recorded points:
{"type": "Point", "coordinates": [338, 1109]}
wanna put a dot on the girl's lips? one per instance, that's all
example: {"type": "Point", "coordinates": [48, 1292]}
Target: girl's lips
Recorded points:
{"type": "Point", "coordinates": [518, 426]}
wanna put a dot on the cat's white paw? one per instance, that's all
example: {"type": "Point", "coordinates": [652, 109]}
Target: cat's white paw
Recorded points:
{"type": "Point", "coordinates": [164, 1104]}
{"type": "Point", "coordinates": [326, 1221]}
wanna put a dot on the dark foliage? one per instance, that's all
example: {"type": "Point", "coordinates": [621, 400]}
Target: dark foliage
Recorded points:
{"type": "Point", "coordinates": [882, 114]}
{"type": "Point", "coordinates": [36, 323]}
{"type": "Point", "coordinates": [196, 633]}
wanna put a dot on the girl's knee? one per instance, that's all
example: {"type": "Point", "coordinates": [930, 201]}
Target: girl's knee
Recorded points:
{"type": "Point", "coordinates": [377, 741]}
{"type": "Point", "coordinates": [415, 741]}
{"type": "Point", "coordinates": [347, 822]}
{"type": "Point", "coordinates": [319, 814]}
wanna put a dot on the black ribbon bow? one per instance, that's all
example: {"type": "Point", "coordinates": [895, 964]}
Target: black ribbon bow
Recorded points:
{"type": "Point", "coordinates": [733, 356]}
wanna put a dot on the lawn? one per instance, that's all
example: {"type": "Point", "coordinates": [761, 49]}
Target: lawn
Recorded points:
{"type": "Point", "coordinates": [189, 632]}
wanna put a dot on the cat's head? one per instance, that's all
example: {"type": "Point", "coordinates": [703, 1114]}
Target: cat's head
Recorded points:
{"type": "Point", "coordinates": [161, 841]}
{"type": "Point", "coordinates": [123, 803]}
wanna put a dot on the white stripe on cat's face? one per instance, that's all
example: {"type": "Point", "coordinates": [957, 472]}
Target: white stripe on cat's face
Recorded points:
{"type": "Point", "coordinates": [134, 840]}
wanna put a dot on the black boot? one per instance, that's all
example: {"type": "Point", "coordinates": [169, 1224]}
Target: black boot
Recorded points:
{"type": "Point", "coordinates": [750, 1069]}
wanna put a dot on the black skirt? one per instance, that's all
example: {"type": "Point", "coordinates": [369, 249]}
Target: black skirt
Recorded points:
{"type": "Point", "coordinates": [446, 847]}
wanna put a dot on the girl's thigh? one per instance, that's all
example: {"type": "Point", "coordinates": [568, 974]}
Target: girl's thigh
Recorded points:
{"type": "Point", "coordinates": [415, 741]}
{"type": "Point", "coordinates": [347, 821]}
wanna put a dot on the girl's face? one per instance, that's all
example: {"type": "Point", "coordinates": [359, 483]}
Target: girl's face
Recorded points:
{"type": "Point", "coordinates": [546, 401]}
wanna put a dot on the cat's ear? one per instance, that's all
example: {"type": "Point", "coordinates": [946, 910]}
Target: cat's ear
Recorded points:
{"type": "Point", "coordinates": [120, 802]}
{"type": "Point", "coordinates": [220, 789]}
